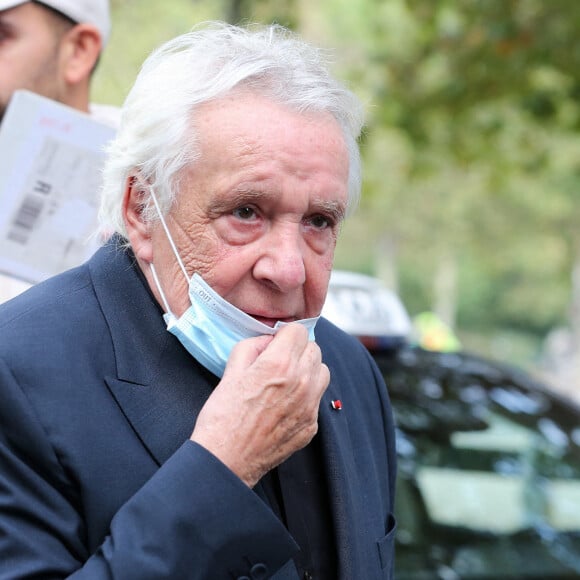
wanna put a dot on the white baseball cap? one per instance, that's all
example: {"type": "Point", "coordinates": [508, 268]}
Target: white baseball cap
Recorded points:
{"type": "Point", "coordinates": [95, 12]}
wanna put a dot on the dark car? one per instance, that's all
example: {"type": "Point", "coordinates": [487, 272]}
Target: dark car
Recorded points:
{"type": "Point", "coordinates": [489, 458]}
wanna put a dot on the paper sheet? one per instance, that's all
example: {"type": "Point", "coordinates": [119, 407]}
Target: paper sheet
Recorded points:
{"type": "Point", "coordinates": [51, 158]}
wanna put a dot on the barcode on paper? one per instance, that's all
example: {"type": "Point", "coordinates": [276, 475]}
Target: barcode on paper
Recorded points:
{"type": "Point", "coordinates": [25, 219]}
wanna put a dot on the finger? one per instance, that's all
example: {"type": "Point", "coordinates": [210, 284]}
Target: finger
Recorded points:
{"type": "Point", "coordinates": [324, 377]}
{"type": "Point", "coordinates": [319, 384]}
{"type": "Point", "coordinates": [289, 342]}
{"type": "Point", "coordinates": [291, 338]}
{"type": "Point", "coordinates": [246, 352]}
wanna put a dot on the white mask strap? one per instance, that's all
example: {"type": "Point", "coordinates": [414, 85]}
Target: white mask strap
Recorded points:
{"type": "Point", "coordinates": [153, 196]}
{"type": "Point", "coordinates": [158, 284]}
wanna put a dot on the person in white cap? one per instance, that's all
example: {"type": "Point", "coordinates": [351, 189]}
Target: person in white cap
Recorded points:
{"type": "Point", "coordinates": [51, 48]}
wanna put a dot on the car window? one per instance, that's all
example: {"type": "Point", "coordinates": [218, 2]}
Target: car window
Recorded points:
{"type": "Point", "coordinates": [502, 479]}
{"type": "Point", "coordinates": [489, 471]}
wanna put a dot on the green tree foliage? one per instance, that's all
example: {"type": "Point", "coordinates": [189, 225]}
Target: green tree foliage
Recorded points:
{"type": "Point", "coordinates": [139, 26]}
{"type": "Point", "coordinates": [472, 149]}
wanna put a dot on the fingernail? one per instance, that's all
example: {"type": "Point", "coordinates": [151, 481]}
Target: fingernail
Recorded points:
{"type": "Point", "coordinates": [336, 404]}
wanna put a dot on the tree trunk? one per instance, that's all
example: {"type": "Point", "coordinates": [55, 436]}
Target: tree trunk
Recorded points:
{"type": "Point", "coordinates": [235, 11]}
{"type": "Point", "coordinates": [575, 296]}
{"type": "Point", "coordinates": [386, 262]}
{"type": "Point", "coordinates": [561, 356]}
{"type": "Point", "coordinates": [445, 289]}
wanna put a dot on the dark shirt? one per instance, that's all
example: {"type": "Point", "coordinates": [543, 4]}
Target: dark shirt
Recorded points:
{"type": "Point", "coordinates": [298, 494]}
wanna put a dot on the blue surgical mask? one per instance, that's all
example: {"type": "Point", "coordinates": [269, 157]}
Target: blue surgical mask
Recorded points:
{"type": "Point", "coordinates": [211, 327]}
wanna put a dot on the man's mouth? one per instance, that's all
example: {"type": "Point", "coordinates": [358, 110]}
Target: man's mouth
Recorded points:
{"type": "Point", "coordinates": [271, 321]}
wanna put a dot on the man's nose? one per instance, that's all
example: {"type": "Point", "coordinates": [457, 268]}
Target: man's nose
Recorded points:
{"type": "Point", "coordinates": [281, 260]}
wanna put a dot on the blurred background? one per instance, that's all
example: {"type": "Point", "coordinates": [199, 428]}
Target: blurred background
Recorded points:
{"type": "Point", "coordinates": [471, 154]}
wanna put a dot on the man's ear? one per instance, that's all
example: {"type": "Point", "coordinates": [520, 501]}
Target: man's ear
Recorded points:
{"type": "Point", "coordinates": [138, 228]}
{"type": "Point", "coordinates": [81, 47]}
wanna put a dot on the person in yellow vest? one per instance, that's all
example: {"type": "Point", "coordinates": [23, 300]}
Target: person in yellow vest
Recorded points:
{"type": "Point", "coordinates": [433, 334]}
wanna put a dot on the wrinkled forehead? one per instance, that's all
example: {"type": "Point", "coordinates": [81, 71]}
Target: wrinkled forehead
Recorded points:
{"type": "Point", "coordinates": [252, 116]}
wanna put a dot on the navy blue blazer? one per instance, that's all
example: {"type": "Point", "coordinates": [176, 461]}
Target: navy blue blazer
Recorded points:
{"type": "Point", "coordinates": [98, 477]}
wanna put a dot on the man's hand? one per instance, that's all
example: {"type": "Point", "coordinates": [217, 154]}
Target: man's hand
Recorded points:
{"type": "Point", "coordinates": [266, 406]}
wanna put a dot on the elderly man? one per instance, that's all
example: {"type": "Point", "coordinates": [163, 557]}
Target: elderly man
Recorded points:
{"type": "Point", "coordinates": [176, 408]}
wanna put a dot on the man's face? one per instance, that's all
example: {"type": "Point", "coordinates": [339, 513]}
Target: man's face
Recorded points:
{"type": "Point", "coordinates": [258, 214]}
{"type": "Point", "coordinates": [29, 52]}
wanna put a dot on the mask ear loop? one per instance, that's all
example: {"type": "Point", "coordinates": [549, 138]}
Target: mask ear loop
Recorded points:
{"type": "Point", "coordinates": [175, 252]}
{"type": "Point", "coordinates": [158, 284]}
{"type": "Point", "coordinates": [171, 242]}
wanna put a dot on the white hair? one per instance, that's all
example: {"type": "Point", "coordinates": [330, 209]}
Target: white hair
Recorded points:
{"type": "Point", "coordinates": [157, 137]}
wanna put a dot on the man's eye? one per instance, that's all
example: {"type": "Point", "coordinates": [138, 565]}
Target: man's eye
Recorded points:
{"type": "Point", "coordinates": [320, 222]}
{"type": "Point", "coordinates": [244, 213]}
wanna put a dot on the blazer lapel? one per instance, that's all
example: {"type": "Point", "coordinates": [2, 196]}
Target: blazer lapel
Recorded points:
{"type": "Point", "coordinates": [340, 469]}
{"type": "Point", "coordinates": [162, 413]}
